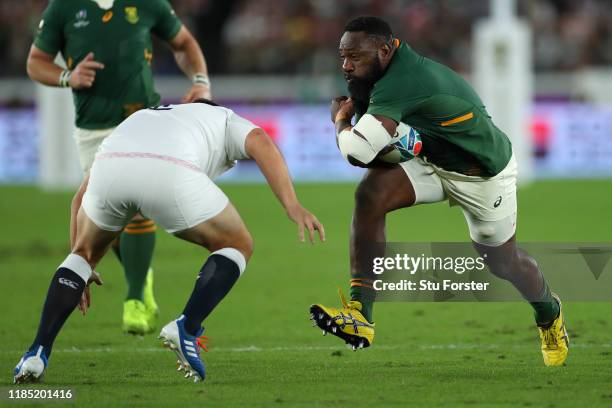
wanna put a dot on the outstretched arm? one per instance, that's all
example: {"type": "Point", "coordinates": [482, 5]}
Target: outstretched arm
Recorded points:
{"type": "Point", "coordinates": [260, 148]}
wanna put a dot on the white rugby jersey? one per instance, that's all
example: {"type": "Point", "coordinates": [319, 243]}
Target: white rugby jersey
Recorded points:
{"type": "Point", "coordinates": [203, 137]}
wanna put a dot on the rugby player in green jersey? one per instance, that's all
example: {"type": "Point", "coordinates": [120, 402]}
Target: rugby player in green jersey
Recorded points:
{"type": "Point", "coordinates": [107, 47]}
{"type": "Point", "coordinates": [465, 159]}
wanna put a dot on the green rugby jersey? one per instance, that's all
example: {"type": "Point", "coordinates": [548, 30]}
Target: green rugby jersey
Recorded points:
{"type": "Point", "coordinates": [457, 132]}
{"type": "Point", "coordinates": [120, 38]}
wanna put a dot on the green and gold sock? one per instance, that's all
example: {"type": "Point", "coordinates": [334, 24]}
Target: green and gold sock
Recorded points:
{"type": "Point", "coordinates": [115, 246]}
{"type": "Point", "coordinates": [546, 309]}
{"type": "Point", "coordinates": [363, 292]}
{"type": "Point", "coordinates": [137, 243]}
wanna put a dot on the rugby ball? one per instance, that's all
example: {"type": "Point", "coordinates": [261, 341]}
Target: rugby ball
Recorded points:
{"type": "Point", "coordinates": [404, 146]}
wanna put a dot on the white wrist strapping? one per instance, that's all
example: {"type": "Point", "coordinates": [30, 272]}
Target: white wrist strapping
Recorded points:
{"type": "Point", "coordinates": [64, 78]}
{"type": "Point", "coordinates": [201, 79]}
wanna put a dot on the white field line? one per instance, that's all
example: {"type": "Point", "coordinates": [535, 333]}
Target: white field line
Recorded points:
{"type": "Point", "coordinates": [256, 349]}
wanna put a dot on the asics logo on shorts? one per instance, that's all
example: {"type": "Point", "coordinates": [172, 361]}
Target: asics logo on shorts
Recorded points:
{"type": "Point", "coordinates": [69, 283]}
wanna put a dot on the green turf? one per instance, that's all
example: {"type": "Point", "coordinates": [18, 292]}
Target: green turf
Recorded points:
{"type": "Point", "coordinates": [264, 351]}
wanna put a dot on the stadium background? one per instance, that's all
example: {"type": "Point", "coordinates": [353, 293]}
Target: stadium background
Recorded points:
{"type": "Point", "coordinates": [276, 62]}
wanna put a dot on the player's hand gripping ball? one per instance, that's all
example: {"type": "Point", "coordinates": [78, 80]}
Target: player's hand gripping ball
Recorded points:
{"type": "Point", "coordinates": [404, 146]}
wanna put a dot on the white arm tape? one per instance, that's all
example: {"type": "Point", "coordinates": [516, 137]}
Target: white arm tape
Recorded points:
{"type": "Point", "coordinates": [374, 132]}
{"type": "Point", "coordinates": [375, 138]}
{"type": "Point", "coordinates": [355, 146]}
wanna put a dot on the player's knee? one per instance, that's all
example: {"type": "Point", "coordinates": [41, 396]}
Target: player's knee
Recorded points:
{"type": "Point", "coordinates": [88, 253]}
{"type": "Point", "coordinates": [239, 250]}
{"type": "Point", "coordinates": [241, 241]}
{"type": "Point", "coordinates": [484, 234]}
{"type": "Point", "coordinates": [245, 244]}
{"type": "Point", "coordinates": [367, 197]}
{"type": "Point", "coordinates": [493, 233]}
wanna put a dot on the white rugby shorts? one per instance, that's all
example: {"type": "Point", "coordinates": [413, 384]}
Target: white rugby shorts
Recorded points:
{"type": "Point", "coordinates": [174, 193]}
{"type": "Point", "coordinates": [488, 204]}
{"type": "Point", "coordinates": [87, 142]}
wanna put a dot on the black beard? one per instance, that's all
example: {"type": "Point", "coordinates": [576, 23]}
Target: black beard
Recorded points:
{"type": "Point", "coordinates": [359, 88]}
{"type": "Point", "coordinates": [359, 91]}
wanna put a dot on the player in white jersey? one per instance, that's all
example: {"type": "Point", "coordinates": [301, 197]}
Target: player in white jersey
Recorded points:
{"type": "Point", "coordinates": [161, 162]}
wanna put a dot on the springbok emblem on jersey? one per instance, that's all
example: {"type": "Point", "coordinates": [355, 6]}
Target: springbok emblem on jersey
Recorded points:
{"type": "Point", "coordinates": [131, 14]}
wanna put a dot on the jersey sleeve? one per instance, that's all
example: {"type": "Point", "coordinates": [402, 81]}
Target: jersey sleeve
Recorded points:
{"type": "Point", "coordinates": [392, 100]}
{"type": "Point", "coordinates": [49, 37]}
{"type": "Point", "coordinates": [238, 128]}
{"type": "Point", "coordinates": [167, 24]}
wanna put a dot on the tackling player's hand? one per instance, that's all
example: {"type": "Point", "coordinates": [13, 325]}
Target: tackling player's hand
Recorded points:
{"type": "Point", "coordinates": [306, 221]}
{"type": "Point", "coordinates": [342, 108]}
{"type": "Point", "coordinates": [84, 74]}
{"type": "Point", "coordinates": [85, 301]}
{"type": "Point", "coordinates": [197, 91]}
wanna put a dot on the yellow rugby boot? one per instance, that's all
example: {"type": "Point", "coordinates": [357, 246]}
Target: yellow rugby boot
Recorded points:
{"type": "Point", "coordinates": [555, 341]}
{"type": "Point", "coordinates": [152, 310]}
{"type": "Point", "coordinates": [135, 318]}
{"type": "Point", "coordinates": [346, 322]}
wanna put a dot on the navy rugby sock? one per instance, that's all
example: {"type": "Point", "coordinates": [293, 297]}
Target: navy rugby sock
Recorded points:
{"type": "Point", "coordinates": [363, 292]}
{"type": "Point", "coordinates": [215, 280]}
{"type": "Point", "coordinates": [63, 296]}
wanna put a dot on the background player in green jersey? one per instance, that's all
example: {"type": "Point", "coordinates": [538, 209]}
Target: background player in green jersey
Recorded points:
{"type": "Point", "coordinates": [107, 47]}
{"type": "Point", "coordinates": [465, 159]}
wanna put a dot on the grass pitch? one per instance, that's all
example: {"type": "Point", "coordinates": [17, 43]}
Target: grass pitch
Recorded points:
{"type": "Point", "coordinates": [264, 351]}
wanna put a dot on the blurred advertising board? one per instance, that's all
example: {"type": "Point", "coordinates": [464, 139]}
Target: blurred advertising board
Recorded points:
{"type": "Point", "coordinates": [570, 141]}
